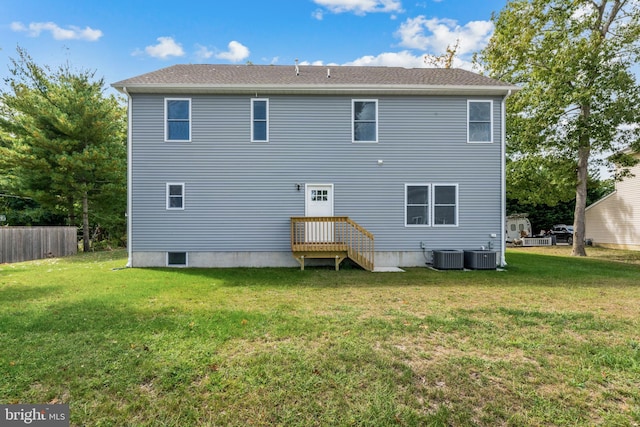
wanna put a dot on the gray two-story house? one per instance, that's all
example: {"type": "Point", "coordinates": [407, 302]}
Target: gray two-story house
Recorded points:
{"type": "Point", "coordinates": [247, 165]}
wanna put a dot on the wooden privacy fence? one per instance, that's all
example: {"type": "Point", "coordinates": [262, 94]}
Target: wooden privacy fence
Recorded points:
{"type": "Point", "coordinates": [19, 244]}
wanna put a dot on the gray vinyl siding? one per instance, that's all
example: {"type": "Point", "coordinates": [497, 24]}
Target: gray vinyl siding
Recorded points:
{"type": "Point", "coordinates": [240, 195]}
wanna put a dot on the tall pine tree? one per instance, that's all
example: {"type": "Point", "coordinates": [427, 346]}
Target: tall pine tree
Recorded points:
{"type": "Point", "coordinates": [64, 143]}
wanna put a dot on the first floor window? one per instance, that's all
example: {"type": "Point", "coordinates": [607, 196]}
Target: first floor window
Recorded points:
{"type": "Point", "coordinates": [417, 204]}
{"type": "Point", "coordinates": [259, 120]}
{"type": "Point", "coordinates": [431, 205]}
{"type": "Point", "coordinates": [178, 120]}
{"type": "Point", "coordinates": [445, 204]}
{"type": "Point", "coordinates": [175, 196]}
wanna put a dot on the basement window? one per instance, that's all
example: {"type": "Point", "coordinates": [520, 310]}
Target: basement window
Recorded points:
{"type": "Point", "coordinates": [176, 259]}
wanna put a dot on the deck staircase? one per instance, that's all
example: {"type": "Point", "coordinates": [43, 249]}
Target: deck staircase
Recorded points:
{"type": "Point", "coordinates": [334, 237]}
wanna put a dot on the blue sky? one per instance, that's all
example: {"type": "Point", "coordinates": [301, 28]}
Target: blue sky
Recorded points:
{"type": "Point", "coordinates": [121, 39]}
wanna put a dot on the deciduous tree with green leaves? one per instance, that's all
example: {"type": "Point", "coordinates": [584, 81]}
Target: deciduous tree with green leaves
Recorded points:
{"type": "Point", "coordinates": [64, 143]}
{"type": "Point", "coordinates": [579, 100]}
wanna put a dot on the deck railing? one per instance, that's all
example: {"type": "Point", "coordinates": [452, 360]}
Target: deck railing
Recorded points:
{"type": "Point", "coordinates": [333, 234]}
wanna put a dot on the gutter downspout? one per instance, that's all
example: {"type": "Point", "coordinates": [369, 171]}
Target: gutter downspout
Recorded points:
{"type": "Point", "coordinates": [129, 175]}
{"type": "Point", "coordinates": [503, 179]}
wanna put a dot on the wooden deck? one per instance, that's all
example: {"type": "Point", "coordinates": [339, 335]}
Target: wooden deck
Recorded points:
{"type": "Point", "coordinates": [336, 237]}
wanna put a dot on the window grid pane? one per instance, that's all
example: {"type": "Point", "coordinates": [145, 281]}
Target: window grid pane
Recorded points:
{"type": "Point", "coordinates": [260, 131]}
{"type": "Point", "coordinates": [177, 109]}
{"type": "Point", "coordinates": [260, 110]}
{"type": "Point", "coordinates": [178, 130]}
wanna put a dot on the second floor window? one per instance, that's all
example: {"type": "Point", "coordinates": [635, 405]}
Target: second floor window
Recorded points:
{"type": "Point", "coordinates": [480, 122]}
{"type": "Point", "coordinates": [178, 120]}
{"type": "Point", "coordinates": [365, 120]}
{"type": "Point", "coordinates": [259, 120]}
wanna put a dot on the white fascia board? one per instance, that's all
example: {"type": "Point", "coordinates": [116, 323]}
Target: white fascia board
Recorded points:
{"type": "Point", "coordinates": [597, 202]}
{"type": "Point", "coordinates": [321, 89]}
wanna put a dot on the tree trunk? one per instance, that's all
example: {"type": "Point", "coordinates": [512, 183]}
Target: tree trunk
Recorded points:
{"type": "Point", "coordinates": [584, 151]}
{"type": "Point", "coordinates": [71, 217]}
{"type": "Point", "coordinates": [86, 247]}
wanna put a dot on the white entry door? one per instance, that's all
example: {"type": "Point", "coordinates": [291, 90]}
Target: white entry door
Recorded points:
{"type": "Point", "coordinates": [319, 202]}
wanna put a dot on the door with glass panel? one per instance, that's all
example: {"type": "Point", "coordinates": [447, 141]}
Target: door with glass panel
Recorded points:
{"type": "Point", "coordinates": [319, 203]}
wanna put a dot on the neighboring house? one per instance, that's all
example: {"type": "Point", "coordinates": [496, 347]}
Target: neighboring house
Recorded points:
{"type": "Point", "coordinates": [247, 165]}
{"type": "Point", "coordinates": [614, 220]}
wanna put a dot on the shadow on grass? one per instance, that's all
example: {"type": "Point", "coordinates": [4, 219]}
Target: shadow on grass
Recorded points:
{"type": "Point", "coordinates": [523, 269]}
{"type": "Point", "coordinates": [24, 294]}
{"type": "Point", "coordinates": [97, 316]}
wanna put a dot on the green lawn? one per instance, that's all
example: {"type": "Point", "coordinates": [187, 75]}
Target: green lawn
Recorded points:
{"type": "Point", "coordinates": [553, 340]}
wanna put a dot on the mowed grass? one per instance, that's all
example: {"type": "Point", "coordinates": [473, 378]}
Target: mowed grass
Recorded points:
{"type": "Point", "coordinates": [553, 340]}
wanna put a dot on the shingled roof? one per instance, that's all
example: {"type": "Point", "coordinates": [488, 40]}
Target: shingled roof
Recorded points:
{"type": "Point", "coordinates": [217, 78]}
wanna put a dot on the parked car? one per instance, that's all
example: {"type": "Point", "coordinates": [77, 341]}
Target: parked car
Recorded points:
{"type": "Point", "coordinates": [563, 233]}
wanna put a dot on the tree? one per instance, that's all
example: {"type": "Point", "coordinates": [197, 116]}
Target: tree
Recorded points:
{"type": "Point", "coordinates": [63, 143]}
{"type": "Point", "coordinates": [543, 216]}
{"type": "Point", "coordinates": [446, 59]}
{"type": "Point", "coordinates": [579, 100]}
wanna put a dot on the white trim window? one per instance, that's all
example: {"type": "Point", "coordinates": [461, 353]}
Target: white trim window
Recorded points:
{"type": "Point", "coordinates": [416, 202]}
{"type": "Point", "coordinates": [259, 120]}
{"type": "Point", "coordinates": [177, 259]}
{"type": "Point", "coordinates": [175, 196]}
{"type": "Point", "coordinates": [177, 119]}
{"type": "Point", "coordinates": [479, 121]}
{"type": "Point", "coordinates": [445, 205]}
{"type": "Point", "coordinates": [365, 120]}
{"type": "Point", "coordinates": [431, 205]}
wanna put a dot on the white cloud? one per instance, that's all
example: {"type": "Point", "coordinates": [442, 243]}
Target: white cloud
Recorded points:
{"type": "Point", "coordinates": [318, 14]}
{"type": "Point", "coordinates": [390, 59]}
{"type": "Point", "coordinates": [404, 59]}
{"type": "Point", "coordinates": [312, 63]}
{"type": "Point", "coordinates": [236, 53]}
{"type": "Point", "coordinates": [434, 35]}
{"type": "Point", "coordinates": [359, 7]}
{"type": "Point", "coordinates": [71, 33]}
{"type": "Point", "coordinates": [203, 53]}
{"type": "Point", "coordinates": [583, 11]}
{"type": "Point", "coordinates": [165, 48]}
